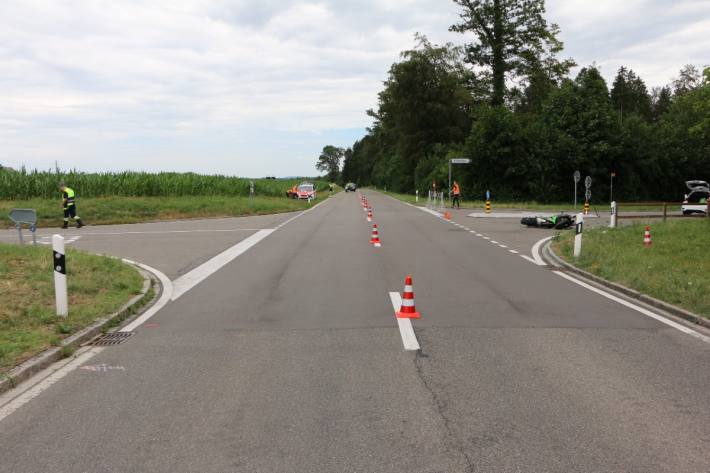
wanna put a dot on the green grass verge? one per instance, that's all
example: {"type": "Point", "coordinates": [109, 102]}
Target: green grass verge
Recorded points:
{"type": "Point", "coordinates": [116, 210]}
{"type": "Point", "coordinates": [675, 269]}
{"type": "Point", "coordinates": [97, 286]}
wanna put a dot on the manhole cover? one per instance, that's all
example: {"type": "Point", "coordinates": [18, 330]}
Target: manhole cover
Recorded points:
{"type": "Point", "coordinates": [114, 338]}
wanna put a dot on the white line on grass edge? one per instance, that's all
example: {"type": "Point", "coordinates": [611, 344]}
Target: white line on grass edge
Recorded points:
{"type": "Point", "coordinates": [409, 339]}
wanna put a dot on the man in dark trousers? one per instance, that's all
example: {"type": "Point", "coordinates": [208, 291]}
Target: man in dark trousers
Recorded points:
{"type": "Point", "coordinates": [69, 204]}
{"type": "Point", "coordinates": [456, 196]}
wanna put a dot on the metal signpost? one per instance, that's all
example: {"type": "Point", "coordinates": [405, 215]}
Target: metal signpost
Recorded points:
{"type": "Point", "coordinates": [577, 177]}
{"type": "Point", "coordinates": [251, 193]}
{"type": "Point", "coordinates": [27, 217]}
{"type": "Point", "coordinates": [611, 187]}
{"type": "Point", "coordinates": [456, 161]}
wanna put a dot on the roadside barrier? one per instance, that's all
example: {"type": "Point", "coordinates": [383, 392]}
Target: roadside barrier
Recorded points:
{"type": "Point", "coordinates": [375, 240]}
{"type": "Point", "coordinates": [578, 230]}
{"type": "Point", "coordinates": [488, 206]}
{"type": "Point", "coordinates": [647, 237]}
{"type": "Point", "coordinates": [586, 208]}
{"type": "Point", "coordinates": [408, 309]}
{"type": "Point", "coordinates": [60, 276]}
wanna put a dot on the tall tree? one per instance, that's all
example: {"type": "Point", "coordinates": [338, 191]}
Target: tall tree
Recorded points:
{"type": "Point", "coordinates": [329, 161]}
{"type": "Point", "coordinates": [630, 95]}
{"type": "Point", "coordinates": [513, 40]}
{"type": "Point", "coordinates": [688, 79]}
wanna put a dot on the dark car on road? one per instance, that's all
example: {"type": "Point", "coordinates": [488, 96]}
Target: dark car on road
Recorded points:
{"type": "Point", "coordinates": [350, 187]}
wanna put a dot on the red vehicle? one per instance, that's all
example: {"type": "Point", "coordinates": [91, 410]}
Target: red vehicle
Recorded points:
{"type": "Point", "coordinates": [303, 191]}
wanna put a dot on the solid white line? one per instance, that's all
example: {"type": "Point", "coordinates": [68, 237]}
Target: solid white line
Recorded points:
{"type": "Point", "coordinates": [637, 308]}
{"type": "Point", "coordinates": [529, 259]}
{"type": "Point", "coordinates": [514, 252]}
{"type": "Point", "coordinates": [536, 251]}
{"type": "Point", "coordinates": [24, 393]}
{"type": "Point", "coordinates": [432, 212]}
{"type": "Point", "coordinates": [503, 246]}
{"type": "Point", "coordinates": [486, 238]}
{"type": "Point", "coordinates": [161, 232]}
{"type": "Point", "coordinates": [409, 339]}
{"type": "Point", "coordinates": [494, 242]}
{"type": "Point", "coordinates": [187, 281]}
{"type": "Point", "coordinates": [165, 296]}
{"type": "Point", "coordinates": [301, 214]}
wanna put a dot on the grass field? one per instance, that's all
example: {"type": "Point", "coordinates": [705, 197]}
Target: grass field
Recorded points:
{"type": "Point", "coordinates": [23, 185]}
{"type": "Point", "coordinates": [115, 210]}
{"type": "Point", "coordinates": [97, 286]}
{"type": "Point", "coordinates": [675, 269]}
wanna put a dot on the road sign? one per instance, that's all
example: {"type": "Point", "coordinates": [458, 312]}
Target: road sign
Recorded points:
{"type": "Point", "coordinates": [588, 182]}
{"type": "Point", "coordinates": [588, 195]}
{"type": "Point", "coordinates": [460, 161]}
{"type": "Point", "coordinates": [577, 176]}
{"type": "Point", "coordinates": [488, 195]}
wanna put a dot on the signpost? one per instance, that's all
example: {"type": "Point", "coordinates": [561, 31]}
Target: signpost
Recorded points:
{"type": "Point", "coordinates": [577, 177]}
{"type": "Point", "coordinates": [611, 187]}
{"type": "Point", "coordinates": [587, 193]}
{"type": "Point", "coordinates": [27, 217]}
{"type": "Point", "coordinates": [456, 161]}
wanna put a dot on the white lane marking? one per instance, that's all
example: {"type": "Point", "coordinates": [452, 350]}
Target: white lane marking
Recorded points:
{"type": "Point", "coordinates": [409, 339]}
{"type": "Point", "coordinates": [471, 231]}
{"type": "Point", "coordinates": [301, 214]}
{"type": "Point", "coordinates": [536, 251]}
{"type": "Point", "coordinates": [514, 252]}
{"type": "Point", "coordinates": [637, 308]}
{"type": "Point", "coordinates": [424, 209]}
{"type": "Point", "coordinates": [165, 296]}
{"type": "Point", "coordinates": [187, 281]}
{"type": "Point", "coordinates": [503, 246]}
{"type": "Point", "coordinates": [529, 259]}
{"type": "Point", "coordinates": [494, 242]}
{"type": "Point", "coordinates": [25, 392]}
{"type": "Point", "coordinates": [486, 238]}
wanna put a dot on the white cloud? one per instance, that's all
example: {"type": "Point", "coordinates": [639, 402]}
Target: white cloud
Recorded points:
{"type": "Point", "coordinates": [227, 85]}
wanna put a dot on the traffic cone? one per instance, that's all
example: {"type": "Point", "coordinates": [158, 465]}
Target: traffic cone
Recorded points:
{"type": "Point", "coordinates": [447, 216]}
{"type": "Point", "coordinates": [408, 310]}
{"type": "Point", "coordinates": [647, 236]}
{"type": "Point", "coordinates": [369, 215]}
{"type": "Point", "coordinates": [375, 240]}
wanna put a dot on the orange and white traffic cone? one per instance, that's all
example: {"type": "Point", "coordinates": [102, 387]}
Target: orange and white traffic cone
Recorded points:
{"type": "Point", "coordinates": [647, 236]}
{"type": "Point", "coordinates": [408, 310]}
{"type": "Point", "coordinates": [369, 215]}
{"type": "Point", "coordinates": [375, 240]}
{"type": "Point", "coordinates": [447, 215]}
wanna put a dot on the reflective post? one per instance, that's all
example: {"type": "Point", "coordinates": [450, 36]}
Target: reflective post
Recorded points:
{"type": "Point", "coordinates": [578, 228]}
{"type": "Point", "coordinates": [60, 276]}
{"type": "Point", "coordinates": [612, 220]}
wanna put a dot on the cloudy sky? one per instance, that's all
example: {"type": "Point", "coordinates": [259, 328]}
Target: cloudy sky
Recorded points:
{"type": "Point", "coordinates": [256, 88]}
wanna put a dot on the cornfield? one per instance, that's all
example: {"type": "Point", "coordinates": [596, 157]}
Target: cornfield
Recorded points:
{"type": "Point", "coordinates": [21, 185]}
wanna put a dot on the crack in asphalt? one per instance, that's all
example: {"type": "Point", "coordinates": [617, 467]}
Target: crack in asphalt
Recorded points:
{"type": "Point", "coordinates": [452, 440]}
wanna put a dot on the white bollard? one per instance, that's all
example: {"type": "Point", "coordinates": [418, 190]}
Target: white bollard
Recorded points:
{"type": "Point", "coordinates": [612, 220]}
{"type": "Point", "coordinates": [416, 199]}
{"type": "Point", "coordinates": [60, 276]}
{"type": "Point", "coordinates": [578, 228]}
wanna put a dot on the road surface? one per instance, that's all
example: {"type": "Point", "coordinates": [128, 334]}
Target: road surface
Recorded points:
{"type": "Point", "coordinates": [289, 358]}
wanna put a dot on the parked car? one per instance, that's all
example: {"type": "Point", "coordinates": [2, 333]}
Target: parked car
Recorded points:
{"type": "Point", "coordinates": [304, 191]}
{"type": "Point", "coordinates": [697, 200]}
{"type": "Point", "coordinates": [350, 187]}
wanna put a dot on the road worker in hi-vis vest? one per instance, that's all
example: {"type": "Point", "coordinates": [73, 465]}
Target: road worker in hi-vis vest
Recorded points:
{"type": "Point", "coordinates": [456, 196]}
{"type": "Point", "coordinates": [69, 204]}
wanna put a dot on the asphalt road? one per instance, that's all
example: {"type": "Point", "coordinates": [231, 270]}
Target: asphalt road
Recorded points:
{"type": "Point", "coordinates": [289, 359]}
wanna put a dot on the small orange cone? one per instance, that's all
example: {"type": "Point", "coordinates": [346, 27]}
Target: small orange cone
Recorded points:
{"type": "Point", "coordinates": [375, 240]}
{"type": "Point", "coordinates": [647, 236]}
{"type": "Point", "coordinates": [369, 215]}
{"type": "Point", "coordinates": [447, 216]}
{"type": "Point", "coordinates": [408, 309]}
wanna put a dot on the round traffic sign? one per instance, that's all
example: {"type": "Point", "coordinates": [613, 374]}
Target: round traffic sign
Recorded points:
{"type": "Point", "coordinates": [577, 177]}
{"type": "Point", "coordinates": [588, 182]}
{"type": "Point", "coordinates": [588, 195]}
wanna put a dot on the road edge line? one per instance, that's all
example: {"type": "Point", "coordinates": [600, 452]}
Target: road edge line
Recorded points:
{"type": "Point", "coordinates": [406, 331]}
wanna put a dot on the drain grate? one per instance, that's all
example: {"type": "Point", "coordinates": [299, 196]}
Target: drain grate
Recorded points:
{"type": "Point", "coordinates": [115, 338]}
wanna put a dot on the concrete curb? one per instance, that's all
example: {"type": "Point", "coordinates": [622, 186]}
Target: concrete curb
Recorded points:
{"type": "Point", "coordinates": [552, 258]}
{"type": "Point", "coordinates": [50, 356]}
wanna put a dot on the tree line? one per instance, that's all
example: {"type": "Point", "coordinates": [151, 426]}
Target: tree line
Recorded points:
{"type": "Point", "coordinates": [507, 101]}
